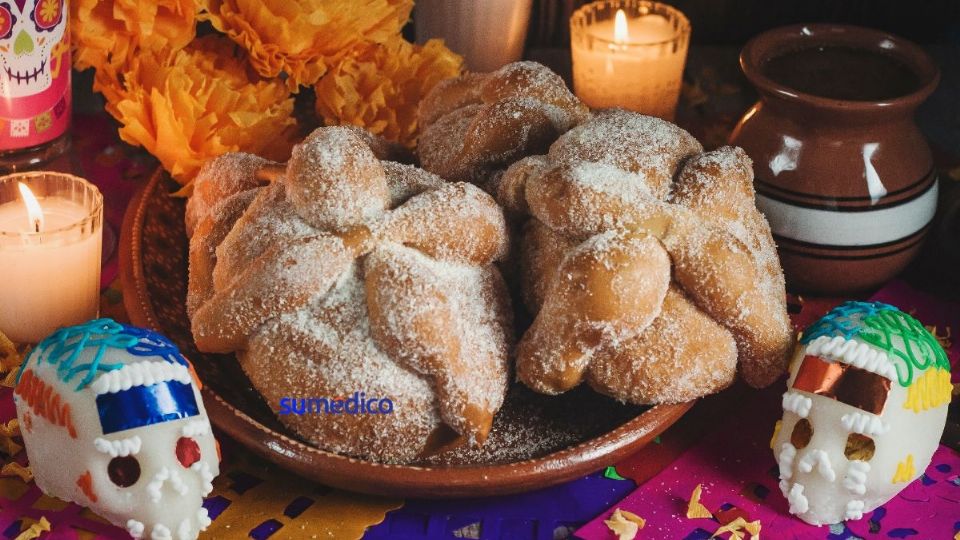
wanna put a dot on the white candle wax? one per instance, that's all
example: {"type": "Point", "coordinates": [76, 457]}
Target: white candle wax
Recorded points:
{"type": "Point", "coordinates": [642, 72]}
{"type": "Point", "coordinates": [51, 279]}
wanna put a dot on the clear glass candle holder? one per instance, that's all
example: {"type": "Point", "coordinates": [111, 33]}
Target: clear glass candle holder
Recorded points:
{"type": "Point", "coordinates": [49, 267]}
{"type": "Point", "coordinates": [641, 69]}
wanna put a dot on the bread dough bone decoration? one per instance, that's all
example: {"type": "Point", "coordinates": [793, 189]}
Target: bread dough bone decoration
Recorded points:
{"type": "Point", "coordinates": [112, 419]}
{"type": "Point", "coordinates": [864, 411]}
{"type": "Point", "coordinates": [369, 285]}
{"type": "Point", "coordinates": [650, 271]}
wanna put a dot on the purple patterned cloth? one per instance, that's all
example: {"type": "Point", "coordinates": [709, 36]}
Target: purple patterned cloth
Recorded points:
{"type": "Point", "coordinates": [546, 514]}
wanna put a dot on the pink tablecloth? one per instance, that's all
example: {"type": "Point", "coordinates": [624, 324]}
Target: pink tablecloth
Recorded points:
{"type": "Point", "coordinates": [739, 475]}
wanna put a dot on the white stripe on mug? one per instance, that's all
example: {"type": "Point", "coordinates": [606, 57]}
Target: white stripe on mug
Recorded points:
{"type": "Point", "coordinates": [845, 228]}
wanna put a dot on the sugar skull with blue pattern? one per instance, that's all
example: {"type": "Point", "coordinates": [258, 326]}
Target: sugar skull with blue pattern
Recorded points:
{"type": "Point", "coordinates": [112, 418]}
{"type": "Point", "coordinates": [865, 406]}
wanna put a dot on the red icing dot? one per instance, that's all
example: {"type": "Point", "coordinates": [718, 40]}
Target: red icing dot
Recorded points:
{"type": "Point", "coordinates": [188, 451]}
{"type": "Point", "coordinates": [124, 471]}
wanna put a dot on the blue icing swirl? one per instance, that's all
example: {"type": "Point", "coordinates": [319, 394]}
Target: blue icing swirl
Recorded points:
{"type": "Point", "coordinates": [63, 348]}
{"type": "Point", "coordinates": [910, 346]}
{"type": "Point", "coordinates": [844, 320]}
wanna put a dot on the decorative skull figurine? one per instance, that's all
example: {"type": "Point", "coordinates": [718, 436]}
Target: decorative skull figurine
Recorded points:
{"type": "Point", "coordinates": [864, 410]}
{"type": "Point", "coordinates": [29, 29]}
{"type": "Point", "coordinates": [111, 418]}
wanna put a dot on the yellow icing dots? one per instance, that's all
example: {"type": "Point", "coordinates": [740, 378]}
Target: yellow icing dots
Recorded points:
{"type": "Point", "coordinates": [776, 431]}
{"type": "Point", "coordinates": [624, 524]}
{"type": "Point", "coordinates": [696, 509]}
{"type": "Point", "coordinates": [905, 471]}
{"type": "Point", "coordinates": [932, 389]}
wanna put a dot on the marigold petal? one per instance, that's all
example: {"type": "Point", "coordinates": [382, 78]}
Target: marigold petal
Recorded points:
{"type": "Point", "coordinates": [380, 86]}
{"type": "Point", "coordinates": [281, 38]}
{"type": "Point", "coordinates": [106, 34]}
{"type": "Point", "coordinates": [188, 106]}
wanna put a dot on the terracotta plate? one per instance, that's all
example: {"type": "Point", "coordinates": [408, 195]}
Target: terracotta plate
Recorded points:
{"type": "Point", "coordinates": [536, 440]}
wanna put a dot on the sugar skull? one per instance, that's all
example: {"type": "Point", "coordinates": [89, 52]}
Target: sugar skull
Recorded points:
{"type": "Point", "coordinates": [112, 418]}
{"type": "Point", "coordinates": [865, 407]}
{"type": "Point", "coordinates": [29, 29]}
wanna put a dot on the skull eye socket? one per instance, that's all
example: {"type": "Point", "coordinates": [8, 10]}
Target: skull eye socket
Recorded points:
{"type": "Point", "coordinates": [124, 471]}
{"type": "Point", "coordinates": [188, 451]}
{"type": "Point", "coordinates": [47, 14]}
{"type": "Point", "coordinates": [859, 447]}
{"type": "Point", "coordinates": [801, 434]}
{"type": "Point", "coordinates": [7, 20]}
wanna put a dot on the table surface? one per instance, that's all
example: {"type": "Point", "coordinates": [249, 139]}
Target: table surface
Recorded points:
{"type": "Point", "coordinates": [252, 498]}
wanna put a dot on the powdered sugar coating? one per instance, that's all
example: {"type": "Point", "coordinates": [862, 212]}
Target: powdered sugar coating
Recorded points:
{"type": "Point", "coordinates": [218, 179]}
{"type": "Point", "coordinates": [641, 144]}
{"type": "Point", "coordinates": [622, 171]}
{"type": "Point", "coordinates": [604, 293]}
{"type": "Point", "coordinates": [479, 123]}
{"type": "Point", "coordinates": [330, 351]}
{"type": "Point", "coordinates": [347, 299]}
{"type": "Point", "coordinates": [316, 186]}
{"type": "Point", "coordinates": [680, 356]}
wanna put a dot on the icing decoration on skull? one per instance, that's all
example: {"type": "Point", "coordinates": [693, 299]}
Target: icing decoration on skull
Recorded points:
{"type": "Point", "coordinates": [865, 406]}
{"type": "Point", "coordinates": [113, 420]}
{"type": "Point", "coordinates": [29, 30]}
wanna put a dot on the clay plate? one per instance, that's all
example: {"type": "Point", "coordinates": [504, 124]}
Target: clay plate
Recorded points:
{"type": "Point", "coordinates": [536, 440]}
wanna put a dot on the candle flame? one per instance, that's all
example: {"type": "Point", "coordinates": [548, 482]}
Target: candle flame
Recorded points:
{"type": "Point", "coordinates": [620, 33]}
{"type": "Point", "coordinates": [34, 212]}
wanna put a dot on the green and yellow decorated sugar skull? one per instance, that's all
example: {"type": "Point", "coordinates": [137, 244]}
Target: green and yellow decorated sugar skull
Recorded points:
{"type": "Point", "coordinates": [864, 410]}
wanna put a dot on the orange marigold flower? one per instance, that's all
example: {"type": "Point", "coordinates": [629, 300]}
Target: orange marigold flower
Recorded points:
{"type": "Point", "coordinates": [107, 33]}
{"type": "Point", "coordinates": [191, 105]}
{"type": "Point", "coordinates": [380, 87]}
{"type": "Point", "coordinates": [302, 38]}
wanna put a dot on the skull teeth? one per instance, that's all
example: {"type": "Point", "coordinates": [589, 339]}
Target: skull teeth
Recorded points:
{"type": "Point", "coordinates": [798, 501]}
{"type": "Point", "coordinates": [821, 460]}
{"type": "Point", "coordinates": [856, 479]}
{"type": "Point", "coordinates": [160, 532]}
{"type": "Point", "coordinates": [854, 510]}
{"type": "Point", "coordinates": [26, 76]}
{"type": "Point", "coordinates": [787, 453]}
{"type": "Point", "coordinates": [203, 468]}
{"type": "Point", "coordinates": [184, 530]}
{"type": "Point", "coordinates": [155, 487]}
{"type": "Point", "coordinates": [203, 519]}
{"type": "Point", "coordinates": [135, 528]}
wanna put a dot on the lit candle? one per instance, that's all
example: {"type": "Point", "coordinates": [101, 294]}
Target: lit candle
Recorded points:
{"type": "Point", "coordinates": [629, 54]}
{"type": "Point", "coordinates": [51, 227]}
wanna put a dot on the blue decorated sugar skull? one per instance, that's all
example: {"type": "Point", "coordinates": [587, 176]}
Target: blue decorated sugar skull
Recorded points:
{"type": "Point", "coordinates": [112, 418]}
{"type": "Point", "coordinates": [865, 406]}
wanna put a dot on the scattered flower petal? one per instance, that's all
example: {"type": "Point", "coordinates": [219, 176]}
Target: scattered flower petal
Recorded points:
{"type": "Point", "coordinates": [15, 469]}
{"type": "Point", "coordinates": [625, 524]}
{"type": "Point", "coordinates": [696, 509]}
{"type": "Point", "coordinates": [35, 530]}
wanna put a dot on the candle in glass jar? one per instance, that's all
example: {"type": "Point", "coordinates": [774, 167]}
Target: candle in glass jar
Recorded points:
{"type": "Point", "coordinates": [629, 54]}
{"type": "Point", "coordinates": [49, 254]}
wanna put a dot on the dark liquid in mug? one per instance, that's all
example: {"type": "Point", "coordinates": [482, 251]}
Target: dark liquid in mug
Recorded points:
{"type": "Point", "coordinates": [842, 73]}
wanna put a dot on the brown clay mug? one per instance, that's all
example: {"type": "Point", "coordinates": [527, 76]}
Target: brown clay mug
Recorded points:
{"type": "Point", "coordinates": [843, 174]}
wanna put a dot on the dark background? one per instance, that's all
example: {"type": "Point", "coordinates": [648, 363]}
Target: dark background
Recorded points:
{"type": "Point", "coordinates": [733, 22]}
